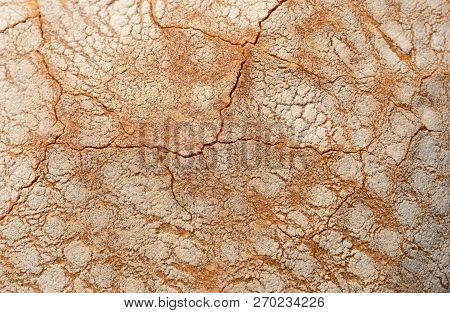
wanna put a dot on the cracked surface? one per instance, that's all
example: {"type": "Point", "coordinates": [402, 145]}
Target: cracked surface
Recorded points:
{"type": "Point", "coordinates": [224, 146]}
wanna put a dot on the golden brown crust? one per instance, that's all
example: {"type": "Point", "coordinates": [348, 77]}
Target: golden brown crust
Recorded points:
{"type": "Point", "coordinates": [224, 146]}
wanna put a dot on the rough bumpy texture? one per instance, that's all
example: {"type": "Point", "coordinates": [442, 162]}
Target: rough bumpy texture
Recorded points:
{"type": "Point", "coordinates": [233, 146]}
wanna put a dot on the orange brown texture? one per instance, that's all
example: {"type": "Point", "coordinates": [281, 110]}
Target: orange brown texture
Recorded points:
{"type": "Point", "coordinates": [224, 146]}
